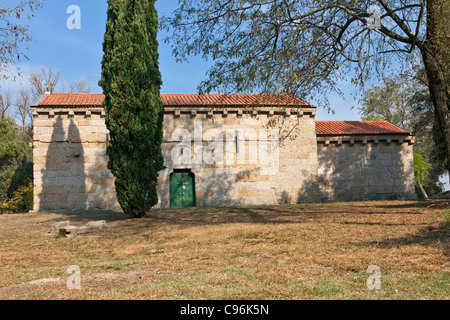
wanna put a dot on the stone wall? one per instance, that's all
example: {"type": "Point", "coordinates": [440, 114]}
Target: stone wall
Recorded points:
{"type": "Point", "coordinates": [243, 177]}
{"type": "Point", "coordinates": [239, 156]}
{"type": "Point", "coordinates": [365, 168]}
{"type": "Point", "coordinates": [70, 161]}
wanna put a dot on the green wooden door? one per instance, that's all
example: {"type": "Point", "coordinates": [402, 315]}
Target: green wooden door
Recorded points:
{"type": "Point", "coordinates": [182, 189]}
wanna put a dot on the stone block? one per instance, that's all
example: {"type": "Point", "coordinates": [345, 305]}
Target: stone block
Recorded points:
{"type": "Point", "coordinates": [101, 180]}
{"type": "Point", "coordinates": [246, 193]}
{"type": "Point", "coordinates": [56, 226]}
{"type": "Point", "coordinates": [38, 123]}
{"type": "Point", "coordinates": [304, 156]}
{"type": "Point", "coordinates": [250, 176]}
{"type": "Point", "coordinates": [72, 231]}
{"type": "Point", "coordinates": [54, 198]}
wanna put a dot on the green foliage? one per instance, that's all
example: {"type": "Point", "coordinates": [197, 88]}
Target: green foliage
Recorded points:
{"type": "Point", "coordinates": [22, 175]}
{"type": "Point", "coordinates": [389, 101]}
{"type": "Point", "coordinates": [22, 199]}
{"type": "Point", "coordinates": [421, 167]}
{"type": "Point", "coordinates": [134, 111]}
{"type": "Point", "coordinates": [442, 219]}
{"type": "Point", "coordinates": [15, 159]}
{"type": "Point", "coordinates": [372, 118]}
{"type": "Point", "coordinates": [446, 216]}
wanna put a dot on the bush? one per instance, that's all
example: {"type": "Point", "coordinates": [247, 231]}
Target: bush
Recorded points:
{"type": "Point", "coordinates": [446, 215]}
{"type": "Point", "coordinates": [3, 208]}
{"type": "Point", "coordinates": [16, 167]}
{"type": "Point", "coordinates": [21, 199]}
{"type": "Point", "coordinates": [22, 175]}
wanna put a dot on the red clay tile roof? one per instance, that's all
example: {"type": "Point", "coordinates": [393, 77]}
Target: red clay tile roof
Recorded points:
{"type": "Point", "coordinates": [96, 99]}
{"type": "Point", "coordinates": [231, 99]}
{"type": "Point", "coordinates": [322, 127]}
{"type": "Point", "coordinates": [357, 127]}
{"type": "Point", "coordinates": [73, 99]}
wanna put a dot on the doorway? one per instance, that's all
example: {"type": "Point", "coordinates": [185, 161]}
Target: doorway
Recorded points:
{"type": "Point", "coordinates": [182, 189]}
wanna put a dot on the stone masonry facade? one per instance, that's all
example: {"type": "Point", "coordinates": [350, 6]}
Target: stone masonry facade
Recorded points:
{"type": "Point", "coordinates": [70, 161]}
{"type": "Point", "coordinates": [365, 168]}
{"type": "Point", "coordinates": [239, 155]}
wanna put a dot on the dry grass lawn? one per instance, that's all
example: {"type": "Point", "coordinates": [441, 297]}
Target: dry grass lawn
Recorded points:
{"type": "Point", "coordinates": [304, 251]}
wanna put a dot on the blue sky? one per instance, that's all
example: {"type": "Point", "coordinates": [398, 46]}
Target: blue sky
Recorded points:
{"type": "Point", "coordinates": [78, 53]}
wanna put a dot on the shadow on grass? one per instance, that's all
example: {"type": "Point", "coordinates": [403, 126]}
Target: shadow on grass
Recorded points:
{"type": "Point", "coordinates": [377, 223]}
{"type": "Point", "coordinates": [280, 214]}
{"type": "Point", "coordinates": [432, 203]}
{"type": "Point", "coordinates": [92, 215]}
{"type": "Point", "coordinates": [413, 207]}
{"type": "Point", "coordinates": [426, 236]}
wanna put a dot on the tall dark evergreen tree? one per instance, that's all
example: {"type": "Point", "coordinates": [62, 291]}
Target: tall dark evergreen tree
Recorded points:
{"type": "Point", "coordinates": [131, 83]}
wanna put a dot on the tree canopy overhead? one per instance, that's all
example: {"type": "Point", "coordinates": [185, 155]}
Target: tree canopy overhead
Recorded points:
{"type": "Point", "coordinates": [13, 32]}
{"type": "Point", "coordinates": [290, 46]}
{"type": "Point", "coordinates": [305, 47]}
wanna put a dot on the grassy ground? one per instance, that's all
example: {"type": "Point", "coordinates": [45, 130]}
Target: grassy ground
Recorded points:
{"type": "Point", "coordinates": [305, 251]}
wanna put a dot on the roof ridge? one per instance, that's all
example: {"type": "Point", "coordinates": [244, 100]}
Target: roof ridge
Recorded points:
{"type": "Point", "coordinates": [183, 99]}
{"type": "Point", "coordinates": [355, 127]}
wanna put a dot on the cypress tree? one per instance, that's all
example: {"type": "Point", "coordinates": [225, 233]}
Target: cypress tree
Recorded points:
{"type": "Point", "coordinates": [131, 83]}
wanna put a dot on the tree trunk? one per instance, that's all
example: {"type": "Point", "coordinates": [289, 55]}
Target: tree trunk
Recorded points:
{"type": "Point", "coordinates": [423, 193]}
{"type": "Point", "coordinates": [435, 57]}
